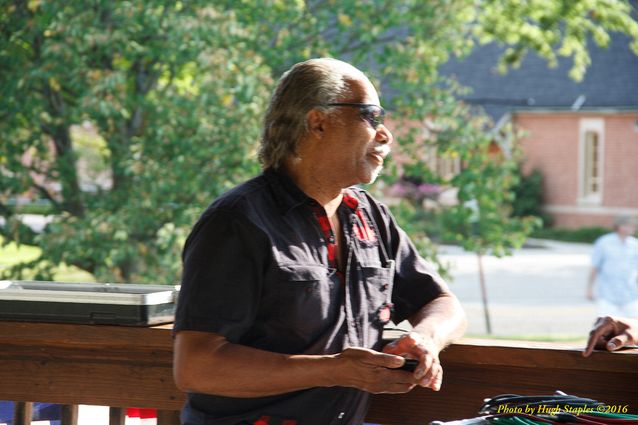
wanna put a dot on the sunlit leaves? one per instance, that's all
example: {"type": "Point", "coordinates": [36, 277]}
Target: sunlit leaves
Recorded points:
{"type": "Point", "coordinates": [551, 27]}
{"type": "Point", "coordinates": [173, 117]}
{"type": "Point", "coordinates": [171, 96]}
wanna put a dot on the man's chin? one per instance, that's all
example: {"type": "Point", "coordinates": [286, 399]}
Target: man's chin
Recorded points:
{"type": "Point", "coordinates": [372, 176]}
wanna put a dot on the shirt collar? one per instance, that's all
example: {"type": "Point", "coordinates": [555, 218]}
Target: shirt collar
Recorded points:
{"type": "Point", "coordinates": [286, 192]}
{"type": "Point", "coordinates": [288, 195]}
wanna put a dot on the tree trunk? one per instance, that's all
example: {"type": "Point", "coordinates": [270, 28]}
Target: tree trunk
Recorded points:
{"type": "Point", "coordinates": [486, 311]}
{"type": "Point", "coordinates": [65, 159]}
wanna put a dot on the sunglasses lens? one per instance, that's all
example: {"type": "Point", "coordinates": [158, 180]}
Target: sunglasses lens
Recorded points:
{"type": "Point", "coordinates": [373, 114]}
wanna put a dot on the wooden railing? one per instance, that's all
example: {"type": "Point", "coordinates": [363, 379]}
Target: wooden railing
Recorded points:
{"type": "Point", "coordinates": [132, 367]}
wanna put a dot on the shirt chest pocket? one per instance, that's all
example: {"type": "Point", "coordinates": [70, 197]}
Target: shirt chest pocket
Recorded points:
{"type": "Point", "coordinates": [306, 298]}
{"type": "Point", "coordinates": [378, 282]}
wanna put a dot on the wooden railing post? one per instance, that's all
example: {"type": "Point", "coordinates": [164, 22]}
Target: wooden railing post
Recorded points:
{"type": "Point", "coordinates": [117, 416]}
{"type": "Point", "coordinates": [22, 412]}
{"type": "Point", "coordinates": [69, 414]}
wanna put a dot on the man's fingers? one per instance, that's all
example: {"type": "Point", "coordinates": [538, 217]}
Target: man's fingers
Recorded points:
{"type": "Point", "coordinates": [424, 367]}
{"type": "Point", "coordinates": [595, 339]}
{"type": "Point", "coordinates": [602, 327]}
{"type": "Point", "coordinates": [429, 372]}
{"type": "Point", "coordinates": [437, 381]}
{"type": "Point", "coordinates": [390, 361]}
{"type": "Point", "coordinates": [617, 342]}
{"type": "Point", "coordinates": [433, 378]}
{"type": "Point", "coordinates": [589, 348]}
{"type": "Point", "coordinates": [398, 388]}
{"type": "Point", "coordinates": [612, 333]}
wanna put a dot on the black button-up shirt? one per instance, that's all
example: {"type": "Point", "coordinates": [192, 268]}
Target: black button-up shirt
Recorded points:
{"type": "Point", "coordinates": [259, 269]}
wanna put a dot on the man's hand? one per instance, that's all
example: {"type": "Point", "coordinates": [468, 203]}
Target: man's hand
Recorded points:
{"type": "Point", "coordinates": [611, 333]}
{"type": "Point", "coordinates": [373, 371]}
{"type": "Point", "coordinates": [428, 373]}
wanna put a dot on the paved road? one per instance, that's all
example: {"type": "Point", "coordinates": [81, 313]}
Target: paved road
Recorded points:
{"type": "Point", "coordinates": [537, 291]}
{"type": "Point", "coordinates": [34, 221]}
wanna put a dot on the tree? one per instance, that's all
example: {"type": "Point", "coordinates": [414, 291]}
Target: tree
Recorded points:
{"type": "Point", "coordinates": [174, 92]}
{"type": "Point", "coordinates": [175, 117]}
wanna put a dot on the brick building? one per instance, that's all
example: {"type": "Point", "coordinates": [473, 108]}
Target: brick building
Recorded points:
{"type": "Point", "coordinates": [582, 137]}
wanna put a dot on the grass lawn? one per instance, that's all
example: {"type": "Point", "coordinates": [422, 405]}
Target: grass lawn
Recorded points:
{"type": "Point", "coordinates": [12, 254]}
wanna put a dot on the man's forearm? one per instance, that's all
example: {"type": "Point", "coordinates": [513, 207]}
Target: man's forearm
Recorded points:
{"type": "Point", "coordinates": [440, 321]}
{"type": "Point", "coordinates": [215, 366]}
{"type": "Point", "coordinates": [207, 363]}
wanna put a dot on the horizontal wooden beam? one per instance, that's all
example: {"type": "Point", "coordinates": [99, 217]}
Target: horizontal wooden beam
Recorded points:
{"type": "Point", "coordinates": [132, 367]}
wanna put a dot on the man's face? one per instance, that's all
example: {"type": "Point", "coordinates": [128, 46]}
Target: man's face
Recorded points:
{"type": "Point", "coordinates": [357, 149]}
{"type": "Point", "coordinates": [626, 229]}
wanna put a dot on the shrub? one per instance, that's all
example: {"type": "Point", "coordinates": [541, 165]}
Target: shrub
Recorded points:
{"type": "Point", "coordinates": [583, 234]}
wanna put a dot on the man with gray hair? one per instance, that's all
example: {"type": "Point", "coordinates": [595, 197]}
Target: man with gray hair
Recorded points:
{"type": "Point", "coordinates": [613, 279]}
{"type": "Point", "coordinates": [290, 277]}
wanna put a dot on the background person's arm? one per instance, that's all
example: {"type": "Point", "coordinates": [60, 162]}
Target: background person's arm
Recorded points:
{"type": "Point", "coordinates": [597, 261]}
{"type": "Point", "coordinates": [207, 363]}
{"type": "Point", "coordinates": [590, 284]}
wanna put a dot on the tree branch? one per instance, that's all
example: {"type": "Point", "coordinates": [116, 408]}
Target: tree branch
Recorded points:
{"type": "Point", "coordinates": [5, 211]}
{"type": "Point", "coordinates": [65, 158]}
{"type": "Point", "coordinates": [45, 192]}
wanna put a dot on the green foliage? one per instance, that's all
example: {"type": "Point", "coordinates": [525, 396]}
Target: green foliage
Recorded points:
{"type": "Point", "coordinates": [482, 221]}
{"type": "Point", "coordinates": [175, 124]}
{"type": "Point", "coordinates": [553, 28]}
{"type": "Point", "coordinates": [12, 255]}
{"type": "Point", "coordinates": [162, 102]}
{"type": "Point", "coordinates": [582, 234]}
{"type": "Point", "coordinates": [425, 231]}
{"type": "Point", "coordinates": [528, 196]}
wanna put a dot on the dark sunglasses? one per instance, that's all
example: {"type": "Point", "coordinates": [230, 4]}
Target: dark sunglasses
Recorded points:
{"type": "Point", "coordinates": [374, 114]}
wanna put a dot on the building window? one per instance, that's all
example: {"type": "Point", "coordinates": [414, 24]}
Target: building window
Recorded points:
{"type": "Point", "coordinates": [591, 183]}
{"type": "Point", "coordinates": [591, 160]}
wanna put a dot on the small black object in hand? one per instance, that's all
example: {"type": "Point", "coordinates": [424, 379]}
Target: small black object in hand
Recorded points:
{"type": "Point", "coordinates": [409, 365]}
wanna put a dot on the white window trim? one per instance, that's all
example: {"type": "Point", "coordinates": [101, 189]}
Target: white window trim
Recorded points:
{"type": "Point", "coordinates": [597, 125]}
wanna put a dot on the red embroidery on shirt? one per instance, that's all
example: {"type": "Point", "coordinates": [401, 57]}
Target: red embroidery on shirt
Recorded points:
{"type": "Point", "coordinates": [264, 420]}
{"type": "Point", "coordinates": [350, 200]}
{"type": "Point", "coordinates": [362, 229]}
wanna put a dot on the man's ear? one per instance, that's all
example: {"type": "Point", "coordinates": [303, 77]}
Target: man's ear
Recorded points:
{"type": "Point", "coordinates": [315, 119]}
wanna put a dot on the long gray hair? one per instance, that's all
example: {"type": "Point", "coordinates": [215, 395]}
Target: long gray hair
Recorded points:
{"type": "Point", "coordinates": [305, 86]}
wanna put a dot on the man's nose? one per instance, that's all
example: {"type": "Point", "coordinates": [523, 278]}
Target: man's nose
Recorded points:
{"type": "Point", "coordinates": [383, 135]}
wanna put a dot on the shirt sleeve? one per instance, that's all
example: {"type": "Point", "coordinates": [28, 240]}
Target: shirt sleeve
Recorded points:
{"type": "Point", "coordinates": [416, 281]}
{"type": "Point", "coordinates": [598, 254]}
{"type": "Point", "coordinates": [224, 261]}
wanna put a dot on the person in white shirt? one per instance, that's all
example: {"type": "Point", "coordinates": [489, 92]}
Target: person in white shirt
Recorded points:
{"type": "Point", "coordinates": [613, 280]}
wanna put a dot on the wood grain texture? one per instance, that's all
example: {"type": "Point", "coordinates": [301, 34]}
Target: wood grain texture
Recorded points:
{"type": "Point", "coordinates": [476, 370]}
{"type": "Point", "coordinates": [83, 364]}
{"type": "Point", "coordinates": [132, 367]}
